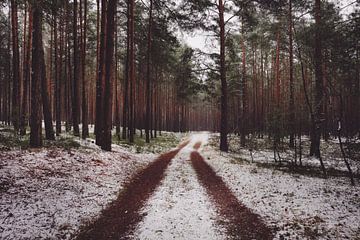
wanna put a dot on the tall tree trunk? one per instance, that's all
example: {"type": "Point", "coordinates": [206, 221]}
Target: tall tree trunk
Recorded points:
{"type": "Point", "coordinates": [99, 81]}
{"type": "Point", "coordinates": [36, 113]}
{"type": "Point", "coordinates": [68, 91]}
{"type": "Point", "coordinates": [16, 67]}
{"type": "Point", "coordinates": [116, 78]}
{"type": "Point", "coordinates": [126, 78]}
{"type": "Point", "coordinates": [49, 130]}
{"type": "Point", "coordinates": [244, 97]}
{"type": "Point", "coordinates": [291, 81]}
{"type": "Point", "coordinates": [85, 127]}
{"type": "Point", "coordinates": [109, 62]}
{"type": "Point", "coordinates": [26, 76]}
{"type": "Point", "coordinates": [315, 141]}
{"type": "Point", "coordinates": [223, 126]}
{"type": "Point", "coordinates": [131, 61]}
{"type": "Point", "coordinates": [148, 74]}
{"type": "Point", "coordinates": [76, 92]}
{"type": "Point", "coordinates": [57, 78]}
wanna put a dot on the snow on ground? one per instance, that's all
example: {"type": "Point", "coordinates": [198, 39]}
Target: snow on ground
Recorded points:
{"type": "Point", "coordinates": [51, 193]}
{"type": "Point", "coordinates": [296, 206]}
{"type": "Point", "coordinates": [180, 208]}
{"type": "Point", "coordinates": [262, 151]}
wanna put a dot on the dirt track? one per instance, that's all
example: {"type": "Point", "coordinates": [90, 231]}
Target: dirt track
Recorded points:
{"type": "Point", "coordinates": [240, 221]}
{"type": "Point", "coordinates": [120, 219]}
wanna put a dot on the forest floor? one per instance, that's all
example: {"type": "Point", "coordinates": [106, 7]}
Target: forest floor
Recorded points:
{"type": "Point", "coordinates": [70, 189]}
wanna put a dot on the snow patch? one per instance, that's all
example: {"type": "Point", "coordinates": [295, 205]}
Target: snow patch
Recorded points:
{"type": "Point", "coordinates": [180, 208]}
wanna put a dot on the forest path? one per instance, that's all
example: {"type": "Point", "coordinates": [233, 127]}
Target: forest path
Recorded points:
{"type": "Point", "coordinates": [121, 217]}
{"type": "Point", "coordinates": [178, 196]}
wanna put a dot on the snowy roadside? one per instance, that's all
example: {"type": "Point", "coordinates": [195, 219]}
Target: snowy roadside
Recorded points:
{"type": "Point", "coordinates": [297, 207]}
{"type": "Point", "coordinates": [50, 193]}
{"type": "Point", "coordinates": [180, 208]}
{"type": "Point", "coordinates": [262, 152]}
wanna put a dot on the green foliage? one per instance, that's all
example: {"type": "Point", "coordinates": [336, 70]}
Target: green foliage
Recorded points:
{"type": "Point", "coordinates": [160, 144]}
{"type": "Point", "coordinates": [9, 140]}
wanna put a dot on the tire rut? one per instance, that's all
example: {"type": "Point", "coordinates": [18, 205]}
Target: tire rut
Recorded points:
{"type": "Point", "coordinates": [239, 221]}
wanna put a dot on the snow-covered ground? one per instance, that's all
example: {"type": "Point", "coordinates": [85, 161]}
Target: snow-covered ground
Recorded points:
{"type": "Point", "coordinates": [180, 208]}
{"type": "Point", "coordinates": [51, 193]}
{"type": "Point", "coordinates": [262, 152]}
{"type": "Point", "coordinates": [296, 206]}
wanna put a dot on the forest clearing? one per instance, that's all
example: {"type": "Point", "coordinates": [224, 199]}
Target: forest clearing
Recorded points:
{"type": "Point", "coordinates": [179, 119]}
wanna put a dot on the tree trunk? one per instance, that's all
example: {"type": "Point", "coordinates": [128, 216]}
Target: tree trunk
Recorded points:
{"type": "Point", "coordinates": [27, 74]}
{"type": "Point", "coordinates": [49, 130]}
{"type": "Point", "coordinates": [223, 125]}
{"type": "Point", "coordinates": [126, 79]}
{"type": "Point", "coordinates": [318, 80]}
{"type": "Point", "coordinates": [107, 123]}
{"type": "Point", "coordinates": [244, 97]}
{"type": "Point", "coordinates": [76, 92]}
{"type": "Point", "coordinates": [36, 114]}
{"type": "Point", "coordinates": [291, 81]}
{"type": "Point", "coordinates": [148, 75]}
{"type": "Point", "coordinates": [16, 67]}
{"type": "Point", "coordinates": [57, 79]}
{"type": "Point", "coordinates": [85, 127]}
{"type": "Point", "coordinates": [131, 61]}
{"type": "Point", "coordinates": [99, 81]}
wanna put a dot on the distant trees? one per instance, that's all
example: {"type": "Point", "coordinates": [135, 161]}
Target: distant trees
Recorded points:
{"type": "Point", "coordinates": [139, 76]}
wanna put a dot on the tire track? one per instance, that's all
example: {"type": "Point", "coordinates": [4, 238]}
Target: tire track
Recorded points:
{"type": "Point", "coordinates": [240, 221]}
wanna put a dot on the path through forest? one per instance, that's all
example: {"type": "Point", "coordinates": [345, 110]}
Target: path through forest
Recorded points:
{"type": "Point", "coordinates": [178, 196]}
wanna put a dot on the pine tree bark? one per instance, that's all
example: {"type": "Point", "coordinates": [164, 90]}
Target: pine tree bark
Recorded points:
{"type": "Point", "coordinates": [126, 79]}
{"type": "Point", "coordinates": [148, 74]}
{"type": "Point", "coordinates": [85, 127]}
{"type": "Point", "coordinates": [131, 61]}
{"type": "Point", "coordinates": [49, 129]}
{"type": "Point", "coordinates": [223, 125]}
{"type": "Point", "coordinates": [99, 82]}
{"type": "Point", "coordinates": [36, 112]}
{"type": "Point", "coordinates": [26, 76]}
{"type": "Point", "coordinates": [315, 142]}
{"type": "Point", "coordinates": [57, 78]}
{"type": "Point", "coordinates": [244, 97]}
{"type": "Point", "coordinates": [16, 67]}
{"type": "Point", "coordinates": [109, 62]}
{"type": "Point", "coordinates": [291, 81]}
{"type": "Point", "coordinates": [76, 88]}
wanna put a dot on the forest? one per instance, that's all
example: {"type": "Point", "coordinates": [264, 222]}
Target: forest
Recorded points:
{"type": "Point", "coordinates": [239, 109]}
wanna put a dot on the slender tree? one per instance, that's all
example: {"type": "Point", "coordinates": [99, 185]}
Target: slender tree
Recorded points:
{"type": "Point", "coordinates": [148, 74]}
{"type": "Point", "coordinates": [26, 76]}
{"type": "Point", "coordinates": [37, 46]}
{"type": "Point", "coordinates": [49, 129]}
{"type": "Point", "coordinates": [131, 69]}
{"type": "Point", "coordinates": [16, 66]}
{"type": "Point", "coordinates": [76, 88]}
{"type": "Point", "coordinates": [85, 127]}
{"type": "Point", "coordinates": [109, 64]}
{"type": "Point", "coordinates": [223, 129]}
{"type": "Point", "coordinates": [291, 80]}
